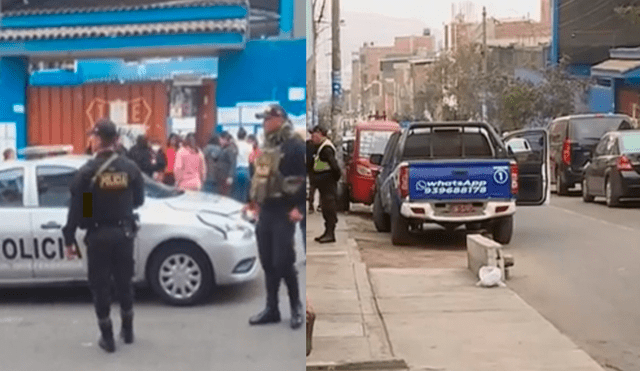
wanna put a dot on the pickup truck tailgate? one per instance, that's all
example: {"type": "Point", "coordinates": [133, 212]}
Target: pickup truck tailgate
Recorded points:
{"type": "Point", "coordinates": [460, 180]}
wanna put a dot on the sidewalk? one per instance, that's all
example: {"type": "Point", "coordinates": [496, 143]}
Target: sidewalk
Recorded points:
{"type": "Point", "coordinates": [434, 319]}
{"type": "Point", "coordinates": [348, 328]}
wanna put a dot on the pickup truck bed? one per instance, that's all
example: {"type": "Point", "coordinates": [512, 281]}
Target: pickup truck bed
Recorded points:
{"type": "Point", "coordinates": [450, 174]}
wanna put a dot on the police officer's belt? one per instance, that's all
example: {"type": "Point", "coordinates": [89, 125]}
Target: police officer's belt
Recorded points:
{"type": "Point", "coordinates": [110, 223]}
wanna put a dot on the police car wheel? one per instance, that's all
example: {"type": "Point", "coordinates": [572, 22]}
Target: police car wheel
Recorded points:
{"type": "Point", "coordinates": [180, 273]}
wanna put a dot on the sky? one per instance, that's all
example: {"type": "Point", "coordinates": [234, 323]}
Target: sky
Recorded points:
{"type": "Point", "coordinates": [436, 12]}
{"type": "Point", "coordinates": [379, 21]}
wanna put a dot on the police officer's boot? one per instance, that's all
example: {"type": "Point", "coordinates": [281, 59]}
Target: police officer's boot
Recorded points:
{"type": "Point", "coordinates": [328, 237]}
{"type": "Point", "coordinates": [324, 235]}
{"type": "Point", "coordinates": [270, 314]}
{"type": "Point", "coordinates": [294, 299]}
{"type": "Point", "coordinates": [126, 333]}
{"type": "Point", "coordinates": [106, 341]}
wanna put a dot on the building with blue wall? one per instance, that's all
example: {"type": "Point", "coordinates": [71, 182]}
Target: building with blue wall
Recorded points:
{"type": "Point", "coordinates": [248, 52]}
{"type": "Point", "coordinates": [600, 45]}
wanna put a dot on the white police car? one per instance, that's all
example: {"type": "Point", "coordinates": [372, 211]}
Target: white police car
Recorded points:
{"type": "Point", "coordinates": [188, 241]}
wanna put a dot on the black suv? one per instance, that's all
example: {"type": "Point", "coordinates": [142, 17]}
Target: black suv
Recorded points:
{"type": "Point", "coordinates": [572, 140]}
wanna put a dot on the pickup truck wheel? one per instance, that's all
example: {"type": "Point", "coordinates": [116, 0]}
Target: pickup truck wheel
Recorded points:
{"type": "Point", "coordinates": [399, 229]}
{"type": "Point", "coordinates": [503, 230]}
{"type": "Point", "coordinates": [380, 218]}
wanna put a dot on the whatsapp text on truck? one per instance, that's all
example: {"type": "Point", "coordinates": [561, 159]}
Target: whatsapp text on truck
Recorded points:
{"type": "Point", "coordinates": [458, 173]}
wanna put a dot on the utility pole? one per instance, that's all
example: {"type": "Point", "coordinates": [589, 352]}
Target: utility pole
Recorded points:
{"type": "Point", "coordinates": [336, 83]}
{"type": "Point", "coordinates": [314, 97]}
{"type": "Point", "coordinates": [484, 63]}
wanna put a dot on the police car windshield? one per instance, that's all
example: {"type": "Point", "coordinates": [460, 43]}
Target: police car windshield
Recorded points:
{"type": "Point", "coordinates": [155, 189]}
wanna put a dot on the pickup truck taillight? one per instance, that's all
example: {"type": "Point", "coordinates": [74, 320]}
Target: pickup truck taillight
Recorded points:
{"type": "Point", "coordinates": [403, 181]}
{"type": "Point", "coordinates": [566, 152]}
{"type": "Point", "coordinates": [514, 178]}
{"type": "Point", "coordinates": [623, 164]}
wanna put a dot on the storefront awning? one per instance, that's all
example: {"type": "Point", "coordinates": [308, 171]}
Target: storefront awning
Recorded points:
{"type": "Point", "coordinates": [150, 28]}
{"type": "Point", "coordinates": [617, 68]}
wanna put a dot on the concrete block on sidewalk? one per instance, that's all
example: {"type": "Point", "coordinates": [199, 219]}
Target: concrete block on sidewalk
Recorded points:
{"type": "Point", "coordinates": [482, 251]}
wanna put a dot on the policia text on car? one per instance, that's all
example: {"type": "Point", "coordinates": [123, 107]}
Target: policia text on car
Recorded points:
{"type": "Point", "coordinates": [45, 249]}
{"type": "Point", "coordinates": [277, 189]}
{"type": "Point", "coordinates": [104, 194]}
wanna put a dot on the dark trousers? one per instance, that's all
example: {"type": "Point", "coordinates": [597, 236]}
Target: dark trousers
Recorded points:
{"type": "Point", "coordinates": [303, 229]}
{"type": "Point", "coordinates": [110, 256]}
{"type": "Point", "coordinates": [210, 186]}
{"type": "Point", "coordinates": [169, 179]}
{"type": "Point", "coordinates": [312, 195]}
{"type": "Point", "coordinates": [275, 235]}
{"type": "Point", "coordinates": [224, 189]}
{"type": "Point", "coordinates": [329, 205]}
{"type": "Point", "coordinates": [241, 185]}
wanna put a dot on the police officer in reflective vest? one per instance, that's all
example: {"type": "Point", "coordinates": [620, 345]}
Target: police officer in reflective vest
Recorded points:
{"type": "Point", "coordinates": [326, 173]}
{"type": "Point", "coordinates": [104, 194]}
{"type": "Point", "coordinates": [278, 195]}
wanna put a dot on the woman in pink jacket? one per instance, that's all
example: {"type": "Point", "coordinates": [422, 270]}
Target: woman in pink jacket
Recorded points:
{"type": "Point", "coordinates": [190, 169]}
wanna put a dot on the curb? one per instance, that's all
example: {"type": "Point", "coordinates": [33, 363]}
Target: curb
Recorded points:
{"type": "Point", "coordinates": [375, 329]}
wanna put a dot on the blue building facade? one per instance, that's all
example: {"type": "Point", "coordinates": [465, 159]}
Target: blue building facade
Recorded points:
{"type": "Point", "coordinates": [252, 51]}
{"type": "Point", "coordinates": [602, 46]}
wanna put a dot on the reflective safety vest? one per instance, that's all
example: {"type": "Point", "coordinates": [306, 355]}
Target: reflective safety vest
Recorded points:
{"type": "Point", "coordinates": [320, 166]}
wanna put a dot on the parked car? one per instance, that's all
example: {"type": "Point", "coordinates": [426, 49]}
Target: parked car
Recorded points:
{"type": "Point", "coordinates": [613, 171]}
{"type": "Point", "coordinates": [457, 173]}
{"type": "Point", "coordinates": [572, 141]}
{"type": "Point", "coordinates": [360, 175]}
{"type": "Point", "coordinates": [188, 241]}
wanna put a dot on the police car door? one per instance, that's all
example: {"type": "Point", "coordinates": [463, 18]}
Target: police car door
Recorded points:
{"type": "Point", "coordinates": [47, 221]}
{"type": "Point", "coordinates": [16, 251]}
{"type": "Point", "coordinates": [530, 149]}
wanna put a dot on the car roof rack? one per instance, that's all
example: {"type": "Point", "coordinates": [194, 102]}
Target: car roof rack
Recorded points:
{"type": "Point", "coordinates": [430, 124]}
{"type": "Point", "coordinates": [37, 152]}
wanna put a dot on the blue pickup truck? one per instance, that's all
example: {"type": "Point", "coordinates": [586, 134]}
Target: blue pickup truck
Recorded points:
{"type": "Point", "coordinates": [458, 173]}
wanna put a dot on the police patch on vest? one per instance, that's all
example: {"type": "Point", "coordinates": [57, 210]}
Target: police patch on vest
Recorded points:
{"type": "Point", "coordinates": [266, 180]}
{"type": "Point", "coordinates": [113, 181]}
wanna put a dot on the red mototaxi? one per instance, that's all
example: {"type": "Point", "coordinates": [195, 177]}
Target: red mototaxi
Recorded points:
{"type": "Point", "coordinates": [370, 138]}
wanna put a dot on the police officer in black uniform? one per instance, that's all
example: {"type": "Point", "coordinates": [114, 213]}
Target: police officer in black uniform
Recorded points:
{"type": "Point", "coordinates": [326, 173]}
{"type": "Point", "coordinates": [278, 194]}
{"type": "Point", "coordinates": [104, 194]}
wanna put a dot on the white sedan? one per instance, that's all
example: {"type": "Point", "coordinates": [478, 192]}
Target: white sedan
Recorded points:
{"type": "Point", "coordinates": [188, 241]}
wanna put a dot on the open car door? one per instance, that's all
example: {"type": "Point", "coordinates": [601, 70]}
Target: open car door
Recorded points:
{"type": "Point", "coordinates": [530, 149]}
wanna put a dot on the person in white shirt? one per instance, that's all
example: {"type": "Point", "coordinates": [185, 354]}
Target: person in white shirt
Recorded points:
{"type": "Point", "coordinates": [243, 181]}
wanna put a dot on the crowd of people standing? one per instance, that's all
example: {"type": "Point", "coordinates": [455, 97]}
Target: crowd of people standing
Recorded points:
{"type": "Point", "coordinates": [223, 166]}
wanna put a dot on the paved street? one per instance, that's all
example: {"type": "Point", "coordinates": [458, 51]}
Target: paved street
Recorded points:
{"type": "Point", "coordinates": [575, 263]}
{"type": "Point", "coordinates": [55, 329]}
{"type": "Point", "coordinates": [578, 265]}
